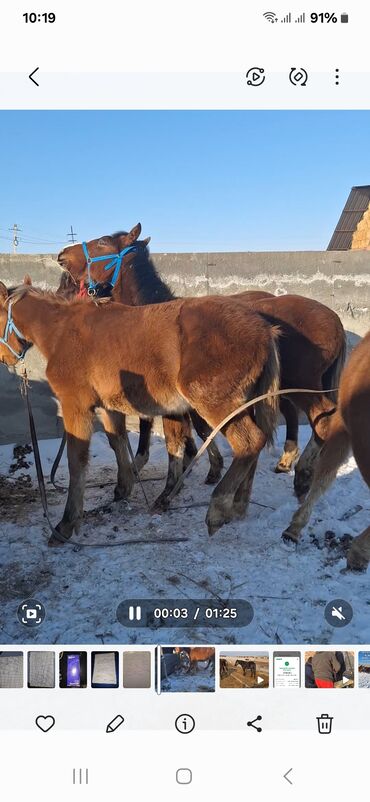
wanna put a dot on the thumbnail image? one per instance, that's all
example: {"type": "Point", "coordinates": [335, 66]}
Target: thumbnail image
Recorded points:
{"type": "Point", "coordinates": [136, 669]}
{"type": "Point", "coordinates": [329, 669]}
{"type": "Point", "coordinates": [244, 670]}
{"type": "Point", "coordinates": [11, 670]}
{"type": "Point", "coordinates": [73, 670]}
{"type": "Point", "coordinates": [187, 669]}
{"type": "Point", "coordinates": [41, 670]}
{"type": "Point", "coordinates": [287, 670]}
{"type": "Point", "coordinates": [104, 669]}
{"type": "Point", "coordinates": [364, 669]}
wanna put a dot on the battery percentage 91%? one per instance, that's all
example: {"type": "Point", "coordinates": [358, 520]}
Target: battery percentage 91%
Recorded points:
{"type": "Point", "coordinates": [325, 16]}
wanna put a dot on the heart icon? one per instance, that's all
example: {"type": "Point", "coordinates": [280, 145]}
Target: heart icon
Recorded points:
{"type": "Point", "coordinates": [45, 723]}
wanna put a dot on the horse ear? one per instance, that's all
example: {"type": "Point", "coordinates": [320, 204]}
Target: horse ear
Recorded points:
{"type": "Point", "coordinates": [3, 293]}
{"type": "Point", "coordinates": [146, 241]}
{"type": "Point", "coordinates": [134, 234]}
{"type": "Point", "coordinates": [27, 280]}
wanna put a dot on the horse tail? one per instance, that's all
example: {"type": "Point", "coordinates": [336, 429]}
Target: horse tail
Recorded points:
{"type": "Point", "coordinates": [267, 411]}
{"type": "Point", "coordinates": [332, 375]}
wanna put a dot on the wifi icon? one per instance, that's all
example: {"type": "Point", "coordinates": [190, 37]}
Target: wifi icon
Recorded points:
{"type": "Point", "coordinates": [270, 16]}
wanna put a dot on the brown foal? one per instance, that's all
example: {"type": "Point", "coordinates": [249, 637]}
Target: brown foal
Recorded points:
{"type": "Point", "coordinates": [205, 354]}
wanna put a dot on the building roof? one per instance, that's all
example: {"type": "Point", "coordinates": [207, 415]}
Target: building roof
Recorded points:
{"type": "Point", "coordinates": [357, 204]}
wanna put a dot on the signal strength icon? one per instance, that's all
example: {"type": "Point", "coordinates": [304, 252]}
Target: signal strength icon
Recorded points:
{"type": "Point", "coordinates": [301, 18]}
{"type": "Point", "coordinates": [270, 16]}
{"type": "Point", "coordinates": [287, 18]}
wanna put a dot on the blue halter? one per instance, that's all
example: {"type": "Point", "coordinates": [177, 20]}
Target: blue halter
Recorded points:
{"type": "Point", "coordinates": [115, 262]}
{"type": "Point", "coordinates": [11, 328]}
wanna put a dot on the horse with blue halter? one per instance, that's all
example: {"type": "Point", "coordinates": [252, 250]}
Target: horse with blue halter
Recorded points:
{"type": "Point", "coordinates": [128, 285]}
{"type": "Point", "coordinates": [312, 348]}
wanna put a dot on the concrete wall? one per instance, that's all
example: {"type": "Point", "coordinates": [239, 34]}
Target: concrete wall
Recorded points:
{"type": "Point", "coordinates": [340, 280]}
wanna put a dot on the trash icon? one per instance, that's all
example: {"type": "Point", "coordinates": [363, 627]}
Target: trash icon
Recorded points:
{"type": "Point", "coordinates": [324, 723]}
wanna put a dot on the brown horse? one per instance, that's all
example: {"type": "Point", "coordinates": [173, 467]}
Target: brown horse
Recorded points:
{"type": "Point", "coordinates": [349, 428]}
{"type": "Point", "coordinates": [138, 284]}
{"type": "Point", "coordinates": [312, 347]}
{"type": "Point", "coordinates": [202, 353]}
{"type": "Point", "coordinates": [131, 290]}
{"type": "Point", "coordinates": [190, 656]}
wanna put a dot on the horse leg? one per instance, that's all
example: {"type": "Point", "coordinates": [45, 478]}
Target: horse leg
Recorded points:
{"type": "Point", "coordinates": [243, 493]}
{"type": "Point", "coordinates": [291, 450]}
{"type": "Point", "coordinates": [115, 427]}
{"type": "Point", "coordinates": [306, 465]}
{"type": "Point", "coordinates": [246, 440]}
{"type": "Point", "coordinates": [332, 455]}
{"type": "Point", "coordinates": [358, 557]}
{"type": "Point", "coordinates": [78, 425]}
{"type": "Point", "coordinates": [190, 447]}
{"type": "Point", "coordinates": [142, 454]}
{"type": "Point", "coordinates": [176, 430]}
{"type": "Point", "coordinates": [319, 410]}
{"type": "Point", "coordinates": [358, 422]}
{"type": "Point", "coordinates": [216, 462]}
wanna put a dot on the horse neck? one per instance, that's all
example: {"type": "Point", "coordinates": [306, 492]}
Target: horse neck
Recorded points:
{"type": "Point", "coordinates": [139, 284]}
{"type": "Point", "coordinates": [34, 316]}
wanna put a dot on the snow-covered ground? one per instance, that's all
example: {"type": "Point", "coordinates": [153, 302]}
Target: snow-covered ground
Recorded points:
{"type": "Point", "coordinates": [201, 681]}
{"type": "Point", "coordinates": [81, 589]}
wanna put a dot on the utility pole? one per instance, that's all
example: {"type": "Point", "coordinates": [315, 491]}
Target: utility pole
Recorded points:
{"type": "Point", "coordinates": [16, 230]}
{"type": "Point", "coordinates": [71, 235]}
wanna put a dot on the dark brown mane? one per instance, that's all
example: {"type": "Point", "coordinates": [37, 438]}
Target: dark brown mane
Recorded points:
{"type": "Point", "coordinates": [150, 287]}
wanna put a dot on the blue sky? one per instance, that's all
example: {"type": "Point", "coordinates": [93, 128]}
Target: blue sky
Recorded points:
{"type": "Point", "coordinates": [198, 181]}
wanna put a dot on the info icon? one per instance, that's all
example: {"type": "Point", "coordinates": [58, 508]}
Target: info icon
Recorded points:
{"type": "Point", "coordinates": [185, 723]}
{"type": "Point", "coordinates": [338, 613]}
{"type": "Point", "coordinates": [31, 613]}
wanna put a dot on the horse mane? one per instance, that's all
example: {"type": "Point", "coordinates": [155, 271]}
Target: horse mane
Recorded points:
{"type": "Point", "coordinates": [17, 293]}
{"type": "Point", "coordinates": [150, 286]}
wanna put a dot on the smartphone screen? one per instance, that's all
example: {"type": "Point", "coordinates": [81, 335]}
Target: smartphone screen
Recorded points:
{"type": "Point", "coordinates": [184, 399]}
{"type": "Point", "coordinates": [287, 670]}
{"type": "Point", "coordinates": [73, 671]}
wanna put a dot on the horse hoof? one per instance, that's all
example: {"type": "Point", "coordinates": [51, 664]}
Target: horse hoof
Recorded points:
{"type": "Point", "coordinates": [121, 493]}
{"type": "Point", "coordinates": [213, 528]}
{"type": "Point", "coordinates": [290, 537]}
{"type": "Point", "coordinates": [213, 479]}
{"type": "Point", "coordinates": [282, 468]}
{"type": "Point", "coordinates": [161, 503]}
{"type": "Point", "coordinates": [356, 563]}
{"type": "Point", "coordinates": [53, 542]}
{"type": "Point", "coordinates": [140, 460]}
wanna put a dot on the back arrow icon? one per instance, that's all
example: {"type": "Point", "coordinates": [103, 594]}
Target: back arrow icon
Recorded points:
{"type": "Point", "coordinates": [32, 79]}
{"type": "Point", "coordinates": [287, 778]}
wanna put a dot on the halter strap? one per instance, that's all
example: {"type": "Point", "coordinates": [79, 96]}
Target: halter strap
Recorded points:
{"type": "Point", "coordinates": [115, 262]}
{"type": "Point", "coordinates": [11, 328]}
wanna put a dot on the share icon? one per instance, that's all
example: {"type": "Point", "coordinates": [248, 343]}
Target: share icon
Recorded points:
{"type": "Point", "coordinates": [252, 724]}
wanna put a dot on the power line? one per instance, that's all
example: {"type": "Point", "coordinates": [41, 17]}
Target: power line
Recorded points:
{"type": "Point", "coordinates": [71, 235]}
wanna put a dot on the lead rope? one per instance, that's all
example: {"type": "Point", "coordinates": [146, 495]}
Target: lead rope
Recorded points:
{"type": "Point", "coordinates": [175, 489]}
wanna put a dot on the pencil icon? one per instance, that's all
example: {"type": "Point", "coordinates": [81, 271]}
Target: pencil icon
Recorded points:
{"type": "Point", "coordinates": [114, 724]}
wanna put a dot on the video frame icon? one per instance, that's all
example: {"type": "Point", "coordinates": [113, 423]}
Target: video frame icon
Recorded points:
{"type": "Point", "coordinates": [31, 613]}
